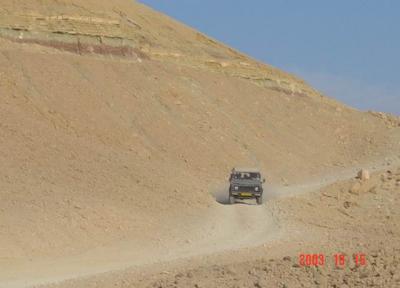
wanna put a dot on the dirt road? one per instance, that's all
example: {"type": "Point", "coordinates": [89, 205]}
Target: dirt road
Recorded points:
{"type": "Point", "coordinates": [218, 229]}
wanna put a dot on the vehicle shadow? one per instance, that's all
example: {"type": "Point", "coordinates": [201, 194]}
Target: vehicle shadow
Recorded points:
{"type": "Point", "coordinates": [246, 202]}
{"type": "Point", "coordinates": [221, 196]}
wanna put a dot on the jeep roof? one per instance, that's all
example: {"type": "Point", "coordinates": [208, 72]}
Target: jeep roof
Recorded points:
{"type": "Point", "coordinates": [248, 170]}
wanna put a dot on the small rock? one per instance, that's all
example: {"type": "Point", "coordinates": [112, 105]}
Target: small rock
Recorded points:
{"type": "Point", "coordinates": [287, 258]}
{"type": "Point", "coordinates": [374, 254]}
{"type": "Point", "coordinates": [372, 190]}
{"type": "Point", "coordinates": [364, 175]}
{"type": "Point", "coordinates": [229, 271]}
{"type": "Point", "coordinates": [355, 189]}
{"type": "Point", "coordinates": [346, 204]}
{"type": "Point", "coordinates": [396, 277]}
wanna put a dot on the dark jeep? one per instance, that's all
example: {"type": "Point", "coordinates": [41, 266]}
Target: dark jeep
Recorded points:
{"type": "Point", "coordinates": [245, 184]}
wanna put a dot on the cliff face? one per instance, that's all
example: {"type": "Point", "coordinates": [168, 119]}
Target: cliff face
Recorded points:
{"type": "Point", "coordinates": [111, 113]}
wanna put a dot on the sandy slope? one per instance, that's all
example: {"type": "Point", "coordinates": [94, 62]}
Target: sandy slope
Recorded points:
{"type": "Point", "coordinates": [101, 148]}
{"type": "Point", "coordinates": [219, 229]}
{"type": "Point", "coordinates": [343, 229]}
{"type": "Point", "coordinates": [228, 229]}
{"type": "Point", "coordinates": [117, 124]}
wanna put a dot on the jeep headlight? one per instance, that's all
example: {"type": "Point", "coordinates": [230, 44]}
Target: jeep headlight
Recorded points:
{"type": "Point", "coordinates": [236, 188]}
{"type": "Point", "coordinates": [256, 189]}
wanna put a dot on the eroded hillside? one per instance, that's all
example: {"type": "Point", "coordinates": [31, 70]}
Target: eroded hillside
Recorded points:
{"type": "Point", "coordinates": [111, 113]}
{"type": "Point", "coordinates": [131, 30]}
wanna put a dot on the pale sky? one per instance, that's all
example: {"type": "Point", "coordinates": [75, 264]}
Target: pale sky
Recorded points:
{"type": "Point", "coordinates": [348, 49]}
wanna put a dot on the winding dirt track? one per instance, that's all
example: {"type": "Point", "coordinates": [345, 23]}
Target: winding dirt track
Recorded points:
{"type": "Point", "coordinates": [224, 228]}
{"type": "Point", "coordinates": [220, 228]}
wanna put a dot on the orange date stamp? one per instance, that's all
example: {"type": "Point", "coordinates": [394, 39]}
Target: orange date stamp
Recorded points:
{"type": "Point", "coordinates": [340, 259]}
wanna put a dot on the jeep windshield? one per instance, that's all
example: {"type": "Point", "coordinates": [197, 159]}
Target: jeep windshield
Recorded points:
{"type": "Point", "coordinates": [246, 176]}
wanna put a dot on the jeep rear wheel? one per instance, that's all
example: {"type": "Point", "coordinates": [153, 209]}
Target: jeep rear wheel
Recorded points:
{"type": "Point", "coordinates": [259, 200]}
{"type": "Point", "coordinates": [231, 200]}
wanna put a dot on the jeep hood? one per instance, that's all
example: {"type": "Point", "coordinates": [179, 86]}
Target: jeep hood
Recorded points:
{"type": "Point", "coordinates": [241, 182]}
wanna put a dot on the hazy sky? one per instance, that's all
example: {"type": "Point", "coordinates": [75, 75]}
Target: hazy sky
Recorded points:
{"type": "Point", "coordinates": [348, 49]}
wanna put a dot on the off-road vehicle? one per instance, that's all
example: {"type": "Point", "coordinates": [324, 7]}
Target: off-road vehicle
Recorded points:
{"type": "Point", "coordinates": [245, 184]}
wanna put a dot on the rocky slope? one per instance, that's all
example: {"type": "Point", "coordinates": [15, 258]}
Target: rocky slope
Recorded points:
{"type": "Point", "coordinates": [357, 221]}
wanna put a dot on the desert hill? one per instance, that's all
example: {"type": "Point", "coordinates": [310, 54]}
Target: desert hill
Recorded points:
{"type": "Point", "coordinates": [131, 29]}
{"type": "Point", "coordinates": [117, 123]}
